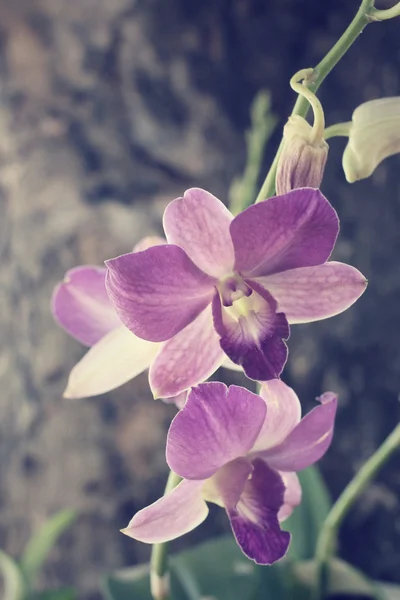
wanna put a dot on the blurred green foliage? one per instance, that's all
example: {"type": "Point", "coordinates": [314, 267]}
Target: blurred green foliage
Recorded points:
{"type": "Point", "coordinates": [20, 577]}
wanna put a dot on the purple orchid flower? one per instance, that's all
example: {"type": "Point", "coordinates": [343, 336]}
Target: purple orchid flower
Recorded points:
{"type": "Point", "coordinates": [240, 451]}
{"type": "Point", "coordinates": [232, 285]}
{"type": "Point", "coordinates": [81, 305]}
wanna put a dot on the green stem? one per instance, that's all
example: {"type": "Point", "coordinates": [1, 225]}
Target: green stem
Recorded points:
{"type": "Point", "coordinates": [338, 129]}
{"type": "Point", "coordinates": [159, 577]}
{"type": "Point", "coordinates": [303, 90]}
{"type": "Point", "coordinates": [301, 107]}
{"type": "Point", "coordinates": [382, 15]}
{"type": "Point", "coordinates": [328, 535]}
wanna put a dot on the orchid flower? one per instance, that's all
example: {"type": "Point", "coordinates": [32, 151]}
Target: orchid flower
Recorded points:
{"type": "Point", "coordinates": [240, 451]}
{"type": "Point", "coordinates": [82, 307]}
{"type": "Point", "coordinates": [374, 134]}
{"type": "Point", "coordinates": [232, 285]}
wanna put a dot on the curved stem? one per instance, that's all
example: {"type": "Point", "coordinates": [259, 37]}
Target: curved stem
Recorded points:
{"type": "Point", "coordinates": [324, 67]}
{"type": "Point", "coordinates": [303, 90]}
{"type": "Point", "coordinates": [382, 15]}
{"type": "Point", "coordinates": [327, 537]}
{"type": "Point", "coordinates": [159, 576]}
{"type": "Point", "coordinates": [338, 130]}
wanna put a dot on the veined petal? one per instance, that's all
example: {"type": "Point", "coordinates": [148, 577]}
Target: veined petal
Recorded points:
{"type": "Point", "coordinates": [118, 357]}
{"type": "Point", "coordinates": [173, 515]}
{"type": "Point", "coordinates": [292, 496]}
{"type": "Point", "coordinates": [216, 425]}
{"type": "Point", "coordinates": [297, 229]}
{"type": "Point", "coordinates": [252, 333]}
{"type": "Point", "coordinates": [313, 293]}
{"type": "Point", "coordinates": [158, 292]}
{"type": "Point", "coordinates": [81, 305]}
{"type": "Point", "coordinates": [308, 441]}
{"type": "Point", "coordinates": [226, 485]}
{"type": "Point", "coordinates": [283, 414]}
{"type": "Point", "coordinates": [374, 135]}
{"type": "Point", "coordinates": [199, 223]}
{"type": "Point", "coordinates": [187, 359]}
{"type": "Point", "coordinates": [255, 520]}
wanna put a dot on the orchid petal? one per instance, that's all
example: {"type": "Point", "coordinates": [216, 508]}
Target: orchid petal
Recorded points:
{"type": "Point", "coordinates": [158, 292]}
{"type": "Point", "coordinates": [81, 305]}
{"type": "Point", "coordinates": [283, 414]}
{"type": "Point", "coordinates": [255, 520]}
{"type": "Point", "coordinates": [118, 357]}
{"type": "Point", "coordinates": [199, 223]}
{"type": "Point", "coordinates": [308, 441]}
{"type": "Point", "coordinates": [215, 426]}
{"type": "Point", "coordinates": [226, 485]}
{"type": "Point", "coordinates": [292, 496]}
{"type": "Point", "coordinates": [187, 359]}
{"type": "Point", "coordinates": [254, 340]}
{"type": "Point", "coordinates": [374, 135]}
{"type": "Point", "coordinates": [298, 229]}
{"type": "Point", "coordinates": [173, 515]}
{"type": "Point", "coordinates": [313, 293]}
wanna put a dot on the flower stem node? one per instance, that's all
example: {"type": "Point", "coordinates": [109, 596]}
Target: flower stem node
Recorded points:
{"type": "Point", "coordinates": [302, 162]}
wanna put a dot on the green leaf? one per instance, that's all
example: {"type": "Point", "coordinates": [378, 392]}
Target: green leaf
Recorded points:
{"type": "Point", "coordinates": [307, 519]}
{"type": "Point", "coordinates": [41, 543]}
{"type": "Point", "coordinates": [14, 586]}
{"type": "Point", "coordinates": [215, 569]}
{"type": "Point", "coordinates": [343, 580]}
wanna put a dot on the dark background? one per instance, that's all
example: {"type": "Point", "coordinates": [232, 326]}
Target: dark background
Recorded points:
{"type": "Point", "coordinates": [108, 110]}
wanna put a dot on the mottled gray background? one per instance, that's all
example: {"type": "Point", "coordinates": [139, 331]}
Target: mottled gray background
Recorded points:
{"type": "Point", "coordinates": [109, 109]}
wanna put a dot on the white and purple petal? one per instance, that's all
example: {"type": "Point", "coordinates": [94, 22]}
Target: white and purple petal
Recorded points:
{"type": "Point", "coordinates": [158, 292]}
{"type": "Point", "coordinates": [215, 426]}
{"type": "Point", "coordinates": [81, 305]}
{"type": "Point", "coordinates": [173, 515]}
{"type": "Point", "coordinates": [297, 229]}
{"type": "Point", "coordinates": [255, 522]}
{"type": "Point", "coordinates": [118, 357]}
{"type": "Point", "coordinates": [308, 441]}
{"type": "Point", "coordinates": [226, 485]}
{"type": "Point", "coordinates": [292, 496]}
{"type": "Point", "coordinates": [283, 414]}
{"type": "Point", "coordinates": [313, 293]}
{"type": "Point", "coordinates": [199, 223]}
{"type": "Point", "coordinates": [187, 359]}
{"type": "Point", "coordinates": [252, 333]}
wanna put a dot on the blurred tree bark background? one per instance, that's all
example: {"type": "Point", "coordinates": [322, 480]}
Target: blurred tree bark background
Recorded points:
{"type": "Point", "coordinates": [108, 110]}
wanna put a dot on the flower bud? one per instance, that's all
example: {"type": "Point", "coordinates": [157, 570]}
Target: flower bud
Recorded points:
{"type": "Point", "coordinates": [303, 159]}
{"type": "Point", "coordinates": [373, 136]}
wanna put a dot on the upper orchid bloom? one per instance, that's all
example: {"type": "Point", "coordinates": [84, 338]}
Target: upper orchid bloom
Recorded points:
{"type": "Point", "coordinates": [259, 271]}
{"type": "Point", "coordinates": [82, 307]}
{"type": "Point", "coordinates": [374, 134]}
{"type": "Point", "coordinates": [240, 451]}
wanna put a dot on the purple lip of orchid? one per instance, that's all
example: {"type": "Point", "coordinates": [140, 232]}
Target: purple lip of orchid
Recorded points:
{"type": "Point", "coordinates": [260, 271]}
{"type": "Point", "coordinates": [240, 451]}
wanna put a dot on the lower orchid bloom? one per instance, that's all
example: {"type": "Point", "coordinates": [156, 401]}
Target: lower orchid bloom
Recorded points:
{"type": "Point", "coordinates": [82, 307]}
{"type": "Point", "coordinates": [231, 286]}
{"type": "Point", "coordinates": [240, 451]}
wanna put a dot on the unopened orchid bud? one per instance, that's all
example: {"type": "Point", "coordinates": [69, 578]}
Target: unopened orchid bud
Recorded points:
{"type": "Point", "coordinates": [374, 135]}
{"type": "Point", "coordinates": [303, 159]}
